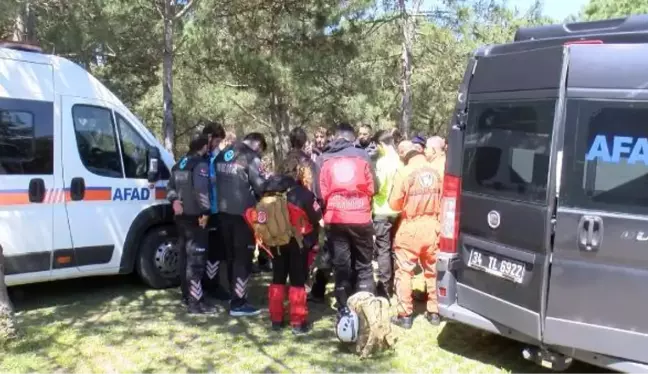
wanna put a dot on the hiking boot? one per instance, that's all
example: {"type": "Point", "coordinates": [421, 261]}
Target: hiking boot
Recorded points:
{"type": "Point", "coordinates": [185, 301]}
{"type": "Point", "coordinates": [302, 329]}
{"type": "Point", "coordinates": [403, 321]}
{"type": "Point", "coordinates": [219, 294]}
{"type": "Point", "coordinates": [201, 308]}
{"type": "Point", "coordinates": [278, 326]}
{"type": "Point", "coordinates": [433, 318]}
{"type": "Point", "coordinates": [245, 310]}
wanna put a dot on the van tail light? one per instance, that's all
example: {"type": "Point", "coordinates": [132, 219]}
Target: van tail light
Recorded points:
{"type": "Point", "coordinates": [450, 213]}
{"type": "Point", "coordinates": [583, 42]}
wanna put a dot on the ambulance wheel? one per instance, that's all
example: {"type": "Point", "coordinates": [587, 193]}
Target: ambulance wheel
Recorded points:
{"type": "Point", "coordinates": [158, 258]}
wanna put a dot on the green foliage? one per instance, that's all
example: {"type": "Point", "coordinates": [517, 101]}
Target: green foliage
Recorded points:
{"type": "Point", "coordinates": [269, 65]}
{"type": "Point", "coordinates": [604, 9]}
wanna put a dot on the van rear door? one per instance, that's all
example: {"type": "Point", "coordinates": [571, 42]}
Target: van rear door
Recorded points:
{"type": "Point", "coordinates": [507, 190]}
{"type": "Point", "coordinates": [598, 296]}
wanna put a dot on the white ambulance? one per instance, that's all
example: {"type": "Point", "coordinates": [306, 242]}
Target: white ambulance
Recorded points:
{"type": "Point", "coordinates": [82, 181]}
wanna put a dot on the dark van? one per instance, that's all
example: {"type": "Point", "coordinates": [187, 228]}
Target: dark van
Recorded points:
{"type": "Point", "coordinates": [545, 204]}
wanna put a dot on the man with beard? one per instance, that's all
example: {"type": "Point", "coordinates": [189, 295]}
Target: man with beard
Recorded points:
{"type": "Point", "coordinates": [240, 184]}
{"type": "Point", "coordinates": [364, 141]}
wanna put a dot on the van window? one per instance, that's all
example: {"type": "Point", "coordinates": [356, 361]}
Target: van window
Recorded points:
{"type": "Point", "coordinates": [96, 140]}
{"type": "Point", "coordinates": [607, 166]}
{"type": "Point", "coordinates": [26, 144]}
{"type": "Point", "coordinates": [507, 147]}
{"type": "Point", "coordinates": [134, 150]}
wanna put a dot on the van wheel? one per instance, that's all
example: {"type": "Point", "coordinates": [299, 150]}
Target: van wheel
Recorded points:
{"type": "Point", "coordinates": [157, 260]}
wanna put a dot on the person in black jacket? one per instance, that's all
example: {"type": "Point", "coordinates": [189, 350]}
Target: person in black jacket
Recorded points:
{"type": "Point", "coordinates": [239, 184]}
{"type": "Point", "coordinates": [290, 260]}
{"type": "Point", "coordinates": [188, 192]}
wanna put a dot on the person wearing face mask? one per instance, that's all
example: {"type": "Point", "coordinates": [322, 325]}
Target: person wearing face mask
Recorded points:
{"type": "Point", "coordinates": [240, 184]}
{"type": "Point", "coordinates": [216, 254]}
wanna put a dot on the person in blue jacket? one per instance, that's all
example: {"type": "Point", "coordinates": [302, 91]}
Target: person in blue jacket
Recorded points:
{"type": "Point", "coordinates": [216, 254]}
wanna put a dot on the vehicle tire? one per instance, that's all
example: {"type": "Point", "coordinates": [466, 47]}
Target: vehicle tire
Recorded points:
{"type": "Point", "coordinates": [157, 258]}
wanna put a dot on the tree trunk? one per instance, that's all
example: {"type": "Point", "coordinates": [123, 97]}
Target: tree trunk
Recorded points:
{"type": "Point", "coordinates": [168, 128]}
{"type": "Point", "coordinates": [7, 323]}
{"type": "Point", "coordinates": [280, 118]}
{"type": "Point", "coordinates": [406, 76]}
{"type": "Point", "coordinates": [25, 24]}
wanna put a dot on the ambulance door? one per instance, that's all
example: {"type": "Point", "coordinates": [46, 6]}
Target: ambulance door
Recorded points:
{"type": "Point", "coordinates": [99, 192]}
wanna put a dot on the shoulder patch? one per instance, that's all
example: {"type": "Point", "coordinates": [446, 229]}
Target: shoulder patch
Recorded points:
{"type": "Point", "coordinates": [229, 155]}
{"type": "Point", "coordinates": [203, 171]}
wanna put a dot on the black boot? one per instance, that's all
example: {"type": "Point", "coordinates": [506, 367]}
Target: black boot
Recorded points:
{"type": "Point", "coordinates": [302, 329]}
{"type": "Point", "coordinates": [433, 318]}
{"type": "Point", "coordinates": [403, 321]}
{"type": "Point", "coordinates": [278, 326]}
{"type": "Point", "coordinates": [201, 307]}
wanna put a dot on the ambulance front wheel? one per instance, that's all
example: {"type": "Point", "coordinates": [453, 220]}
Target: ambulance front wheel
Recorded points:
{"type": "Point", "coordinates": [158, 258]}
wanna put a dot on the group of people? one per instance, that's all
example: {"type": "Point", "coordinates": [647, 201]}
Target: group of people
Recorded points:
{"type": "Point", "coordinates": [376, 196]}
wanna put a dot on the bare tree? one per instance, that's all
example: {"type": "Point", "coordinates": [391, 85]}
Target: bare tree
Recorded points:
{"type": "Point", "coordinates": [171, 11]}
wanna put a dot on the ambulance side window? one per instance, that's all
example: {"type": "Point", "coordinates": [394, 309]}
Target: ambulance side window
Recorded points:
{"type": "Point", "coordinates": [134, 149]}
{"type": "Point", "coordinates": [26, 137]}
{"type": "Point", "coordinates": [605, 166]}
{"type": "Point", "coordinates": [97, 140]}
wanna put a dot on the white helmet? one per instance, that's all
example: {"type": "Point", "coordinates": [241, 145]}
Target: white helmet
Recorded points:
{"type": "Point", "coordinates": [347, 327]}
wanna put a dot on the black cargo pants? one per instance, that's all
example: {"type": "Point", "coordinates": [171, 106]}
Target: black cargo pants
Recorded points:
{"type": "Point", "coordinates": [238, 240]}
{"type": "Point", "coordinates": [352, 246]}
{"type": "Point", "coordinates": [216, 255]}
{"type": "Point", "coordinates": [193, 247]}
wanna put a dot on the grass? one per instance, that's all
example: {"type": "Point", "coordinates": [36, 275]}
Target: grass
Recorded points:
{"type": "Point", "coordinates": [107, 325]}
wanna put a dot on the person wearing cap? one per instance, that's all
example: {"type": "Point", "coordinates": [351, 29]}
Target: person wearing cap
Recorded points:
{"type": "Point", "coordinates": [240, 184]}
{"type": "Point", "coordinates": [216, 253]}
{"type": "Point", "coordinates": [188, 192]}
{"type": "Point", "coordinates": [416, 193]}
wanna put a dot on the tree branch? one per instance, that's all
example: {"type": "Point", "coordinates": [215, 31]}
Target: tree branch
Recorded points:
{"type": "Point", "coordinates": [250, 114]}
{"type": "Point", "coordinates": [186, 8]}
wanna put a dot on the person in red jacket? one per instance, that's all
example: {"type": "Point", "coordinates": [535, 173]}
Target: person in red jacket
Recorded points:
{"type": "Point", "coordinates": [290, 260]}
{"type": "Point", "coordinates": [345, 183]}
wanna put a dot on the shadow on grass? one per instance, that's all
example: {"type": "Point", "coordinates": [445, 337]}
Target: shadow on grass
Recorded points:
{"type": "Point", "coordinates": [57, 316]}
{"type": "Point", "coordinates": [495, 350]}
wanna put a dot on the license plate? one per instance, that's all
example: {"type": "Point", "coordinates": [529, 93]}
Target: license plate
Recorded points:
{"type": "Point", "coordinates": [499, 267]}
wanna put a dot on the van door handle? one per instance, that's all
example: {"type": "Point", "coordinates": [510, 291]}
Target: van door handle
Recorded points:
{"type": "Point", "coordinates": [590, 233]}
{"type": "Point", "coordinates": [77, 189]}
{"type": "Point", "coordinates": [36, 190]}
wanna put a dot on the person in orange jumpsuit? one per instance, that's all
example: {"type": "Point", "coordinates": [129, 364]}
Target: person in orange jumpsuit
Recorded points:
{"type": "Point", "coordinates": [416, 192]}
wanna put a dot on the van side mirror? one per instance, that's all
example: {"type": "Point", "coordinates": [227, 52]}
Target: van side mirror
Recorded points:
{"type": "Point", "coordinates": [153, 163]}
